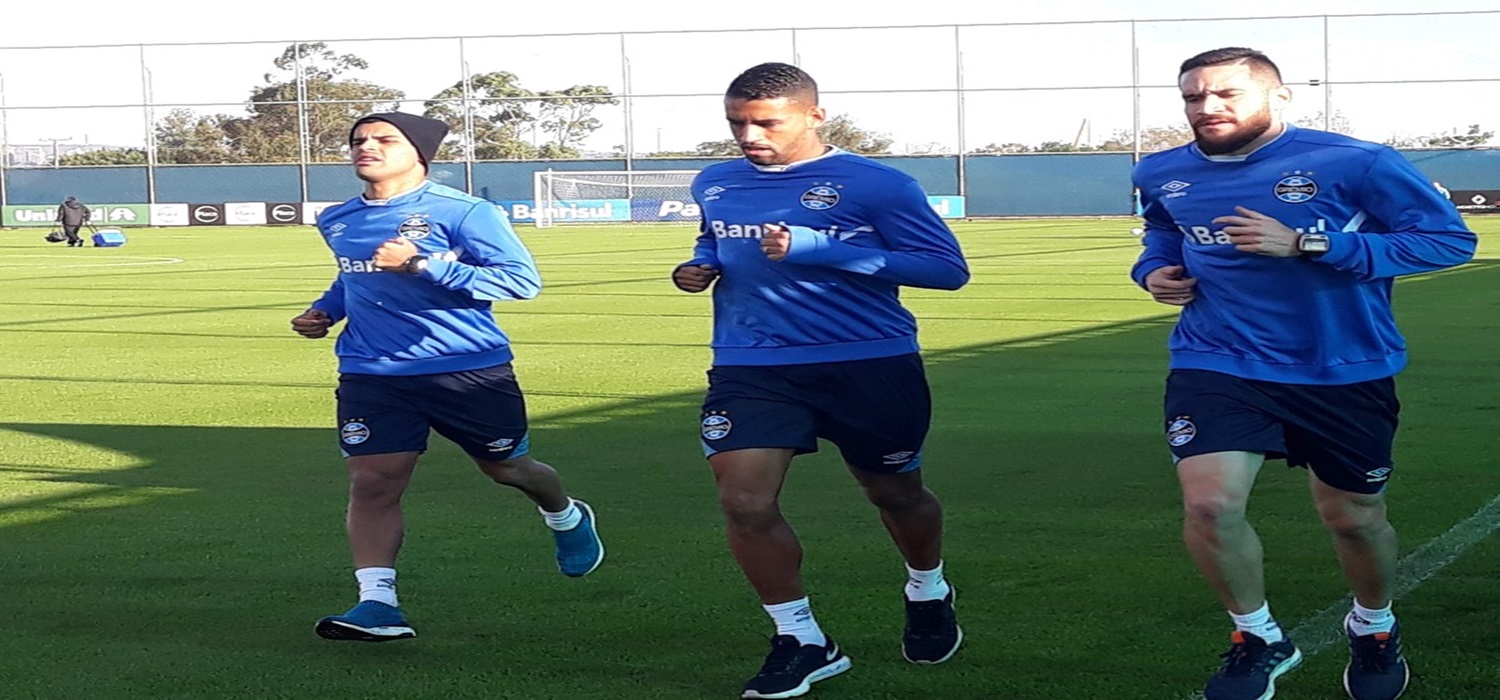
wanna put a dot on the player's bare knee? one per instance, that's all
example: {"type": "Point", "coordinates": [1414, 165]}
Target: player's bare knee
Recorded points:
{"type": "Point", "coordinates": [1213, 509]}
{"type": "Point", "coordinates": [371, 488]}
{"type": "Point", "coordinates": [508, 471]}
{"type": "Point", "coordinates": [749, 509]}
{"type": "Point", "coordinates": [1354, 519]}
{"type": "Point", "coordinates": [900, 500]}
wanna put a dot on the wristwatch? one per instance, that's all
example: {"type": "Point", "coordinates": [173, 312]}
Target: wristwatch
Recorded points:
{"type": "Point", "coordinates": [415, 264]}
{"type": "Point", "coordinates": [1313, 244]}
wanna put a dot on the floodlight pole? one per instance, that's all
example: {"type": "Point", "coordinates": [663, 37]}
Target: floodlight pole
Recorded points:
{"type": "Point", "coordinates": [1327, 78]}
{"type": "Point", "coordinates": [303, 151]}
{"type": "Point", "coordinates": [468, 104]}
{"type": "Point", "coordinates": [4, 140]}
{"type": "Point", "coordinates": [1135, 98]}
{"type": "Point", "coordinates": [146, 97]}
{"type": "Point", "coordinates": [958, 81]}
{"type": "Point", "coordinates": [629, 107]}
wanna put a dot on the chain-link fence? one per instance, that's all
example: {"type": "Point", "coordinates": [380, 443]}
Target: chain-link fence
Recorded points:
{"type": "Point", "coordinates": [1019, 118]}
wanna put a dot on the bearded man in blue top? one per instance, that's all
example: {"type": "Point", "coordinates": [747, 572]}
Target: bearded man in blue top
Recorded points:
{"type": "Point", "coordinates": [805, 246]}
{"type": "Point", "coordinates": [418, 267]}
{"type": "Point", "coordinates": [1281, 245]}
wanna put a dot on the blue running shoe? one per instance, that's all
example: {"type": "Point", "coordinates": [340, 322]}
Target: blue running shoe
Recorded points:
{"type": "Point", "coordinates": [370, 621]}
{"type": "Point", "coordinates": [1377, 670]}
{"type": "Point", "coordinates": [792, 667]}
{"type": "Point", "coordinates": [579, 550]}
{"type": "Point", "coordinates": [1251, 667]}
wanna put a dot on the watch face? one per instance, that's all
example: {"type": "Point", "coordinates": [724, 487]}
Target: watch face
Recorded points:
{"type": "Point", "coordinates": [1313, 244]}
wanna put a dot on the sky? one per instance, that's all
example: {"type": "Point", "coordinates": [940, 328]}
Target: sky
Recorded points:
{"type": "Point", "coordinates": [898, 77]}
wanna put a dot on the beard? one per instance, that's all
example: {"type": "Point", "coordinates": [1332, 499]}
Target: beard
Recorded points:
{"type": "Point", "coordinates": [1250, 130]}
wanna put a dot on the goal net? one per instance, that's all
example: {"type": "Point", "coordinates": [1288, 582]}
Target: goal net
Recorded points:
{"type": "Point", "coordinates": [591, 197]}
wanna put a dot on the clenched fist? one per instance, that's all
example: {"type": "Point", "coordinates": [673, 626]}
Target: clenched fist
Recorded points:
{"type": "Point", "coordinates": [312, 324]}
{"type": "Point", "coordinates": [694, 278]}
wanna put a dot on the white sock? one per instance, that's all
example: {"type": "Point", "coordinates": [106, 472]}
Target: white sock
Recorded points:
{"type": "Point", "coordinates": [377, 583]}
{"type": "Point", "coordinates": [926, 585]}
{"type": "Point", "coordinates": [1259, 623]}
{"type": "Point", "coordinates": [795, 618]}
{"type": "Point", "coordinates": [1363, 621]}
{"type": "Point", "coordinates": [565, 519]}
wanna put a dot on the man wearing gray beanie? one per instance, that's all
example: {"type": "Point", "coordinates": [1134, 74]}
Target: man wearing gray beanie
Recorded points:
{"type": "Point", "coordinates": [423, 133]}
{"type": "Point", "coordinates": [419, 265]}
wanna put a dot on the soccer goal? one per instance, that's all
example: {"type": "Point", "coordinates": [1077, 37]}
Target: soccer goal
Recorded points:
{"type": "Point", "coordinates": [599, 196]}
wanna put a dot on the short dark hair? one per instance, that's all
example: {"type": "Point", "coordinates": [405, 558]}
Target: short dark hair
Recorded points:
{"type": "Point", "coordinates": [769, 81]}
{"type": "Point", "coordinates": [1258, 61]}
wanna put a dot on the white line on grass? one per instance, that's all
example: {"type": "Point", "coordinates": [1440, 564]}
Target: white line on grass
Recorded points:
{"type": "Point", "coordinates": [1325, 628]}
{"type": "Point", "coordinates": [20, 263]}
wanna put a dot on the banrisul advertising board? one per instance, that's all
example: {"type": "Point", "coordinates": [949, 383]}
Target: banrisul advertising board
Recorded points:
{"type": "Point", "coordinates": [100, 215]}
{"type": "Point", "coordinates": [946, 206]}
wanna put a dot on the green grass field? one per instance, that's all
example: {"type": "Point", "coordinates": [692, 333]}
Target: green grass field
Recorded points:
{"type": "Point", "coordinates": [171, 494]}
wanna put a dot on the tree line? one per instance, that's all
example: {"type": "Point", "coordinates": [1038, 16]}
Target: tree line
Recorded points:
{"type": "Point", "coordinates": [506, 120]}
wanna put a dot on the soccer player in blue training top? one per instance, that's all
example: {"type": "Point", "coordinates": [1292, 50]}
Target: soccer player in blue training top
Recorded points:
{"type": "Point", "coordinates": [806, 246]}
{"type": "Point", "coordinates": [1281, 244]}
{"type": "Point", "coordinates": [419, 265]}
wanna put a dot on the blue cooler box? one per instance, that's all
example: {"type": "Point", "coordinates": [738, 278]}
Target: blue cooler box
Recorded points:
{"type": "Point", "coordinates": [109, 238]}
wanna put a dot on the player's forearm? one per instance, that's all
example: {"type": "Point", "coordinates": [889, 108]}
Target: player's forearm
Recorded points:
{"type": "Point", "coordinates": [1163, 248]}
{"type": "Point", "coordinates": [927, 269]}
{"type": "Point", "coordinates": [501, 281]}
{"type": "Point", "coordinates": [332, 304]}
{"type": "Point", "coordinates": [1383, 255]}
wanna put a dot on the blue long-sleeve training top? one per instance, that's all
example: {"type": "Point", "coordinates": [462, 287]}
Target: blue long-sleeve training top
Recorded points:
{"type": "Point", "coordinates": [1322, 319]}
{"type": "Point", "coordinates": [859, 231]}
{"type": "Point", "coordinates": [436, 321]}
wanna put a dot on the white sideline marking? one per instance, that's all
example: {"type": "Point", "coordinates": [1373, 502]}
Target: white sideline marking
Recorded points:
{"type": "Point", "coordinates": [75, 264]}
{"type": "Point", "coordinates": [1325, 628]}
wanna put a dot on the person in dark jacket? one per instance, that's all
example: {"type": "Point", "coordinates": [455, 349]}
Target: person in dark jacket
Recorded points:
{"type": "Point", "coordinates": [74, 215]}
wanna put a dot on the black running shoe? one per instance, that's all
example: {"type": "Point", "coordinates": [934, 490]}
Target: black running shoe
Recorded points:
{"type": "Point", "coordinates": [1376, 670]}
{"type": "Point", "coordinates": [1251, 667]}
{"type": "Point", "coordinates": [932, 634]}
{"type": "Point", "coordinates": [792, 667]}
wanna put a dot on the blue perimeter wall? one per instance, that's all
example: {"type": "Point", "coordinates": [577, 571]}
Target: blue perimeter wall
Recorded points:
{"type": "Point", "coordinates": [1052, 184]}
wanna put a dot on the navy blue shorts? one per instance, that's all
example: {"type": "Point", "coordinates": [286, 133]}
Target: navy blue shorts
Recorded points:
{"type": "Point", "coordinates": [481, 410]}
{"type": "Point", "coordinates": [876, 412]}
{"type": "Point", "coordinates": [1343, 433]}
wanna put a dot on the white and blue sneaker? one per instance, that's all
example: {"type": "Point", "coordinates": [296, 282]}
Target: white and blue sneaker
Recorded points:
{"type": "Point", "coordinates": [370, 621]}
{"type": "Point", "coordinates": [579, 549]}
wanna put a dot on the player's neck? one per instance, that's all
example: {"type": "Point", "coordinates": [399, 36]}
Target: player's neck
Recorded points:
{"type": "Point", "coordinates": [1271, 134]}
{"type": "Point", "coordinates": [810, 154]}
{"type": "Point", "coordinates": [395, 187]}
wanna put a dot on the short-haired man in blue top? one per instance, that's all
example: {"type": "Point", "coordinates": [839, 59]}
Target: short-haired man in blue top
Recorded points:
{"type": "Point", "coordinates": [418, 267]}
{"type": "Point", "coordinates": [805, 246]}
{"type": "Point", "coordinates": [1281, 246]}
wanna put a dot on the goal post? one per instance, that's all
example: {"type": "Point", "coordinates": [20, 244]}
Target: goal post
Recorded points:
{"type": "Point", "coordinates": [618, 196]}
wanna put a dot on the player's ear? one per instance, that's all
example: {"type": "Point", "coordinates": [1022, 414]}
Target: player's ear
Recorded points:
{"type": "Point", "coordinates": [816, 116]}
{"type": "Point", "coordinates": [1281, 96]}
